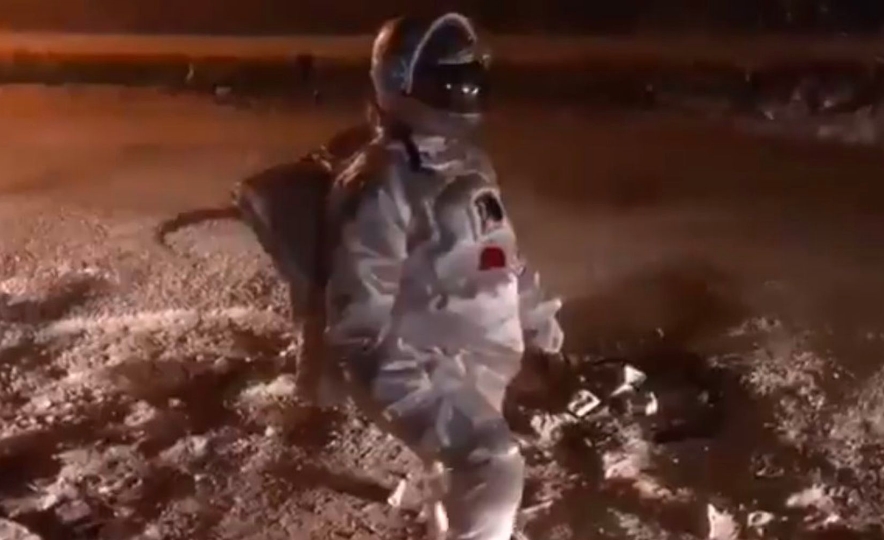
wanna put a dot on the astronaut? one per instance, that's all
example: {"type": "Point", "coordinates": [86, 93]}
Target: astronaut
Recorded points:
{"type": "Point", "coordinates": [429, 305]}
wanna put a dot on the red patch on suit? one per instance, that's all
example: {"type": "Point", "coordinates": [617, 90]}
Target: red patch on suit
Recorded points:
{"type": "Point", "coordinates": [492, 257]}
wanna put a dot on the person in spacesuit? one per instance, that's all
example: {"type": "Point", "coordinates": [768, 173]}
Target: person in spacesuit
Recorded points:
{"type": "Point", "coordinates": [429, 305]}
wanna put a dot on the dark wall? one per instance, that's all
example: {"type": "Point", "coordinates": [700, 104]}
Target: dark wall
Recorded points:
{"type": "Point", "coordinates": [356, 16]}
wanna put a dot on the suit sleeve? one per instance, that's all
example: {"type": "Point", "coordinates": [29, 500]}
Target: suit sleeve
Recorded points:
{"type": "Point", "coordinates": [537, 310]}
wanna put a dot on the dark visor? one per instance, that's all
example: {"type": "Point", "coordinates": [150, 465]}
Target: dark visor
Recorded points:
{"type": "Point", "coordinates": [459, 88]}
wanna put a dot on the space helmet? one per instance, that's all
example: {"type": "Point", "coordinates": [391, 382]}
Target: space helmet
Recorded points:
{"type": "Point", "coordinates": [431, 74]}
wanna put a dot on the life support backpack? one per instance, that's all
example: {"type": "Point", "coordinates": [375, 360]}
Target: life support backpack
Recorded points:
{"type": "Point", "coordinates": [286, 208]}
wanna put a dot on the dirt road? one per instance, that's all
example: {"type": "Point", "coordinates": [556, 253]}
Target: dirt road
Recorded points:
{"type": "Point", "coordinates": [147, 393]}
{"type": "Point", "coordinates": [514, 49]}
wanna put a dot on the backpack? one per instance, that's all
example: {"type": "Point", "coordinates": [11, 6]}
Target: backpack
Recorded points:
{"type": "Point", "coordinates": [286, 208]}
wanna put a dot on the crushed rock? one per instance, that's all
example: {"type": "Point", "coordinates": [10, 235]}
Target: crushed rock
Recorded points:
{"type": "Point", "coordinates": [860, 426]}
{"type": "Point", "coordinates": [281, 388]}
{"type": "Point", "coordinates": [548, 427]}
{"type": "Point", "coordinates": [140, 414]}
{"type": "Point", "coordinates": [186, 451]}
{"type": "Point", "coordinates": [72, 512]}
{"type": "Point", "coordinates": [722, 525]}
{"type": "Point", "coordinates": [758, 520]}
{"type": "Point", "coordinates": [630, 459]}
{"type": "Point", "coordinates": [155, 320]}
{"type": "Point", "coordinates": [817, 498]}
{"type": "Point", "coordinates": [103, 473]}
{"type": "Point", "coordinates": [633, 527]}
{"type": "Point", "coordinates": [9, 530]}
{"type": "Point", "coordinates": [274, 405]}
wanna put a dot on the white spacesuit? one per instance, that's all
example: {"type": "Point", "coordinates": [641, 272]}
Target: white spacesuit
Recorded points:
{"type": "Point", "coordinates": [429, 306]}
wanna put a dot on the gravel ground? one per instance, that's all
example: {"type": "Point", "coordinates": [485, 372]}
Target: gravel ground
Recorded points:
{"type": "Point", "coordinates": [148, 393]}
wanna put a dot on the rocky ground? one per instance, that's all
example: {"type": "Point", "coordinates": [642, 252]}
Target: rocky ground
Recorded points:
{"type": "Point", "coordinates": [148, 393]}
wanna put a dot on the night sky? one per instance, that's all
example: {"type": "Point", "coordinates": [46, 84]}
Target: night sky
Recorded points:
{"type": "Point", "coordinates": [358, 16]}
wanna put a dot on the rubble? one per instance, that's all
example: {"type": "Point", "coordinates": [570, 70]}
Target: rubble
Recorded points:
{"type": "Point", "coordinates": [815, 497]}
{"type": "Point", "coordinates": [818, 501]}
{"type": "Point", "coordinates": [186, 450]}
{"type": "Point", "coordinates": [722, 525]}
{"type": "Point", "coordinates": [73, 512]}
{"type": "Point", "coordinates": [583, 403]}
{"type": "Point", "coordinates": [529, 512]}
{"type": "Point", "coordinates": [423, 492]}
{"type": "Point", "coordinates": [398, 495]}
{"type": "Point", "coordinates": [141, 413]}
{"type": "Point", "coordinates": [632, 379]}
{"type": "Point", "coordinates": [627, 462]}
{"type": "Point", "coordinates": [758, 520]}
{"type": "Point", "coordinates": [9, 530]}
{"type": "Point", "coordinates": [281, 388]}
{"type": "Point", "coordinates": [548, 427]}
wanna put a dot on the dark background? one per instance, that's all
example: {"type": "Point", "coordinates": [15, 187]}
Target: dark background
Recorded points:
{"type": "Point", "coordinates": [359, 16]}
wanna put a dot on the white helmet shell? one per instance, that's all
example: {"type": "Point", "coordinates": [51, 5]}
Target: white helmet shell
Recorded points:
{"type": "Point", "coordinates": [449, 46]}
